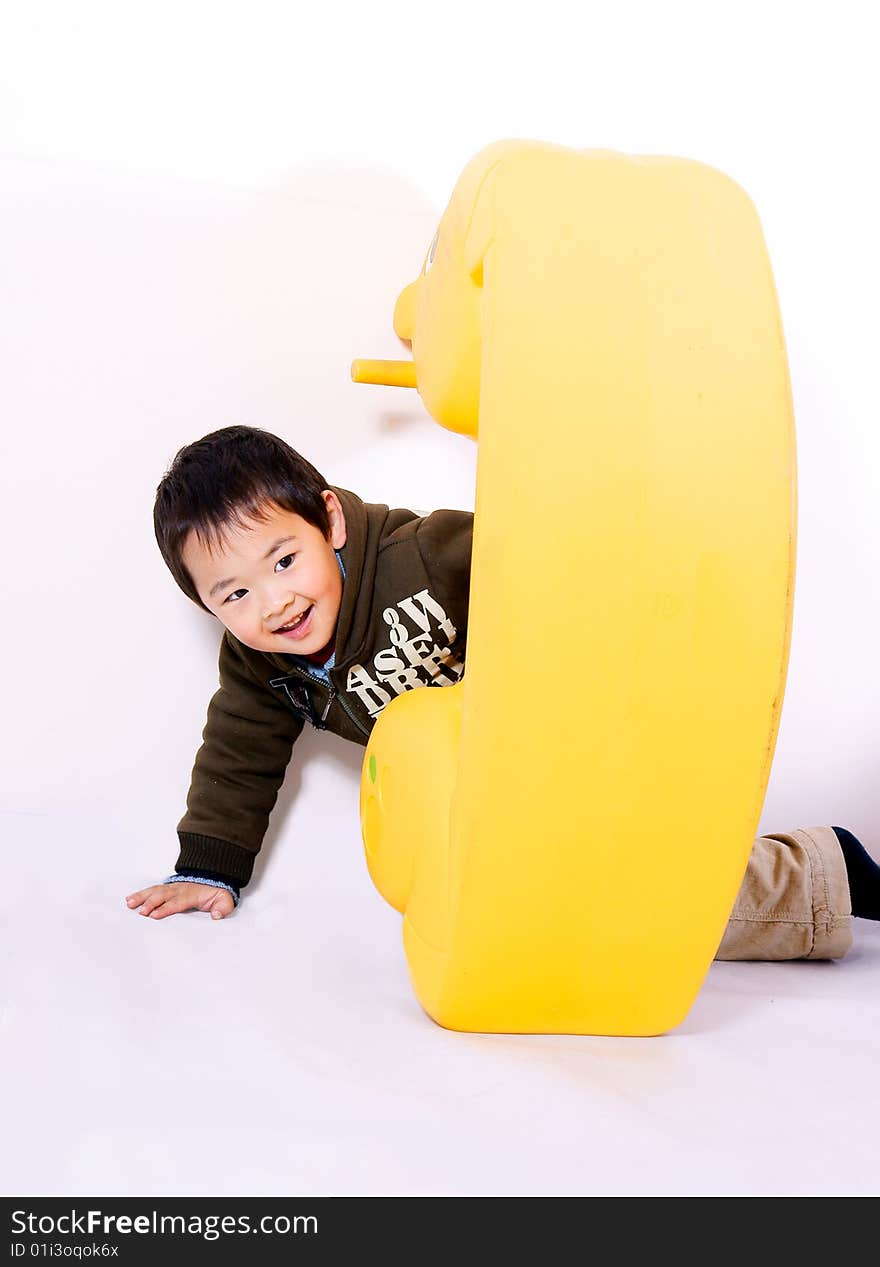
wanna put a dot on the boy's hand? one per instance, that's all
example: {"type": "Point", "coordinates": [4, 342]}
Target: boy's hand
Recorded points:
{"type": "Point", "coordinates": [160, 900]}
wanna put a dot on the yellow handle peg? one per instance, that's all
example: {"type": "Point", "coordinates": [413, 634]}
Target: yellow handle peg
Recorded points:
{"type": "Point", "coordinates": [384, 373]}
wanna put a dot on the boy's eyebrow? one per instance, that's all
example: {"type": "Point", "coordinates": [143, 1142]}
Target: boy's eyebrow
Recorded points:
{"type": "Point", "coordinates": [219, 585]}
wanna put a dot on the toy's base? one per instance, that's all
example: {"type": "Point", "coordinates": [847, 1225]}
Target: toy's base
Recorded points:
{"type": "Point", "coordinates": [488, 1013]}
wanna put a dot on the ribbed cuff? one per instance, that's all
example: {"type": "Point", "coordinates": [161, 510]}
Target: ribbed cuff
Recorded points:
{"type": "Point", "coordinates": [229, 886]}
{"type": "Point", "coordinates": [207, 853]}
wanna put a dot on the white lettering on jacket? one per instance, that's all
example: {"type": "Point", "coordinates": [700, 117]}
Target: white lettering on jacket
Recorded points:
{"type": "Point", "coordinates": [417, 655]}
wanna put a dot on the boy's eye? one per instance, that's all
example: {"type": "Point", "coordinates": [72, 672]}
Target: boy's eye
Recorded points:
{"type": "Point", "coordinates": [286, 560]}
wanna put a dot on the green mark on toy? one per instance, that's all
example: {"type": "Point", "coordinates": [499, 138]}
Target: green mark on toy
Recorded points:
{"type": "Point", "coordinates": [372, 767]}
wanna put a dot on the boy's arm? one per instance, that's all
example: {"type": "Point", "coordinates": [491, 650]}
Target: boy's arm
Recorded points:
{"type": "Point", "coordinates": [238, 770]}
{"type": "Point", "coordinates": [246, 746]}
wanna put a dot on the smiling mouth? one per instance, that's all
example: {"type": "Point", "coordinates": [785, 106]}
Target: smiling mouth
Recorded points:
{"type": "Point", "coordinates": [296, 624]}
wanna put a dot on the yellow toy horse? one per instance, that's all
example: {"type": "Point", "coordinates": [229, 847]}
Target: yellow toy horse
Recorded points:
{"type": "Point", "coordinates": [565, 830]}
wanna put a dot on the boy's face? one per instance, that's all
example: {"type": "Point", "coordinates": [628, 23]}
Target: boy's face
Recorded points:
{"type": "Point", "coordinates": [269, 573]}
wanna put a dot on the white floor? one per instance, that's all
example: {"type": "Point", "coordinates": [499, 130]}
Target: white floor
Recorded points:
{"type": "Point", "coordinates": [283, 1052]}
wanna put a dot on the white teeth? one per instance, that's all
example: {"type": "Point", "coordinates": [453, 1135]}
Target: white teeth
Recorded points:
{"type": "Point", "coordinates": [293, 624]}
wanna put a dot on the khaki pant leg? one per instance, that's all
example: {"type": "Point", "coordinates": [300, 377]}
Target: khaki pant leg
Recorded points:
{"type": "Point", "coordinates": [794, 901]}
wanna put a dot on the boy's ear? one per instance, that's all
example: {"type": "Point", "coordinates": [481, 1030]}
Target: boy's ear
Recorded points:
{"type": "Point", "coordinates": [338, 531]}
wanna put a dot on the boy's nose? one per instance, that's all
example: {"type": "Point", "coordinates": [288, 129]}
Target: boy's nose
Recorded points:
{"type": "Point", "coordinates": [277, 608]}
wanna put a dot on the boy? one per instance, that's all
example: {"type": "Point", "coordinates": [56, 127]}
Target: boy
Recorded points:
{"type": "Point", "coordinates": [332, 606]}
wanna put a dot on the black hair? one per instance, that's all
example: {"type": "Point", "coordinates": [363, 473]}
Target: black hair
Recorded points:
{"type": "Point", "coordinates": [228, 476]}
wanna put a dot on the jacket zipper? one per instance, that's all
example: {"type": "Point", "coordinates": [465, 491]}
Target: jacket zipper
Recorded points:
{"type": "Point", "coordinates": [334, 694]}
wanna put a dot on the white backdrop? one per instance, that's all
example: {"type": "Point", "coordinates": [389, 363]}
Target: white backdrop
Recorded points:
{"type": "Point", "coordinates": [206, 212]}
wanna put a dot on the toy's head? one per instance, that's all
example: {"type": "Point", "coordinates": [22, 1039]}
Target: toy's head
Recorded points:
{"type": "Point", "coordinates": [439, 313]}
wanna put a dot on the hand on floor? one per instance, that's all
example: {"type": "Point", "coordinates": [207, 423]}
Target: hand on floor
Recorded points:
{"type": "Point", "coordinates": [160, 900]}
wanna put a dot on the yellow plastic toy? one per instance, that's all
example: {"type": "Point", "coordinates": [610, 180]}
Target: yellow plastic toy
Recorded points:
{"type": "Point", "coordinates": [565, 830]}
